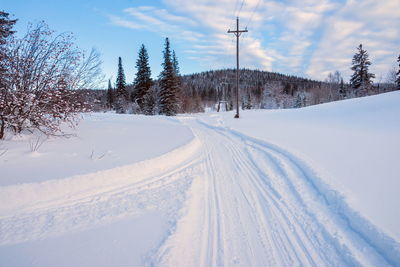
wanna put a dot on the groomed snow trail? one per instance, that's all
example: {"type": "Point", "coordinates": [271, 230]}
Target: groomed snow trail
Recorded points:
{"type": "Point", "coordinates": [230, 200]}
{"type": "Point", "coordinates": [253, 205]}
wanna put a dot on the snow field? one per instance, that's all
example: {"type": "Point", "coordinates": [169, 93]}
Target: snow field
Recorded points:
{"type": "Point", "coordinates": [352, 145]}
{"type": "Point", "coordinates": [274, 188]}
{"type": "Point", "coordinates": [258, 205]}
{"type": "Point", "coordinates": [101, 141]}
{"type": "Point", "coordinates": [105, 217]}
{"type": "Point", "coordinates": [78, 202]}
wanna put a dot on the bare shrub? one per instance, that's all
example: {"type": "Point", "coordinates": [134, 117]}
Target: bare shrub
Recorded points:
{"type": "Point", "coordinates": [44, 70]}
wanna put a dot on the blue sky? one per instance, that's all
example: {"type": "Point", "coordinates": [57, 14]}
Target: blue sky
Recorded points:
{"type": "Point", "coordinates": [307, 38]}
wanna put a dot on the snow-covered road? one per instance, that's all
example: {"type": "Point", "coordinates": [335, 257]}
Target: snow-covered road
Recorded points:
{"type": "Point", "coordinates": [230, 200]}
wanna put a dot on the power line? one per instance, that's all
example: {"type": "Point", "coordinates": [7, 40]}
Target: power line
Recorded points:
{"type": "Point", "coordinates": [236, 6]}
{"type": "Point", "coordinates": [241, 6]}
{"type": "Point", "coordinates": [235, 12]}
{"type": "Point", "coordinates": [252, 14]}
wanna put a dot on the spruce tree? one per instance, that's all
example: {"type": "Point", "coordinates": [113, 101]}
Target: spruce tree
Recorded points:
{"type": "Point", "coordinates": [398, 75]}
{"type": "Point", "coordinates": [121, 93]}
{"type": "Point", "coordinates": [361, 78]}
{"type": "Point", "coordinates": [110, 95]}
{"type": "Point", "coordinates": [143, 80]}
{"type": "Point", "coordinates": [168, 94]}
{"type": "Point", "coordinates": [120, 83]}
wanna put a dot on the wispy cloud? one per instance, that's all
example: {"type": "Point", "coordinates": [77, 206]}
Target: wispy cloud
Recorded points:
{"type": "Point", "coordinates": [118, 21]}
{"type": "Point", "coordinates": [153, 19]}
{"type": "Point", "coordinates": [375, 24]}
{"type": "Point", "coordinates": [279, 33]}
{"type": "Point", "coordinates": [312, 37]}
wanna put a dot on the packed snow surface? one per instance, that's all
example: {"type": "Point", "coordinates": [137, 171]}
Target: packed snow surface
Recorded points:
{"type": "Point", "coordinates": [316, 186]}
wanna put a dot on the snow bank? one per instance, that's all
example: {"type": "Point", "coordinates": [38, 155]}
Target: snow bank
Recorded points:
{"type": "Point", "coordinates": [76, 209]}
{"type": "Point", "coordinates": [14, 198]}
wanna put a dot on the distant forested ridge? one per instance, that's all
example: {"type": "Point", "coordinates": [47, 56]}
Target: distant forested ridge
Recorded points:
{"type": "Point", "coordinates": [269, 90]}
{"type": "Point", "coordinates": [258, 90]}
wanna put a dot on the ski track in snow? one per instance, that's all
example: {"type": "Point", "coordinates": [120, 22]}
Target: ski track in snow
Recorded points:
{"type": "Point", "coordinates": [233, 200]}
{"type": "Point", "coordinates": [254, 204]}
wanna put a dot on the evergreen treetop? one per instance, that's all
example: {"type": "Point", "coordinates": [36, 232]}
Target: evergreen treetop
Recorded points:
{"type": "Point", "coordinates": [121, 95]}
{"type": "Point", "coordinates": [143, 80]}
{"type": "Point", "coordinates": [110, 95]}
{"type": "Point", "coordinates": [168, 95]}
{"type": "Point", "coordinates": [175, 63]}
{"type": "Point", "coordinates": [361, 77]}
{"type": "Point", "coordinates": [120, 83]}
{"type": "Point", "coordinates": [167, 63]}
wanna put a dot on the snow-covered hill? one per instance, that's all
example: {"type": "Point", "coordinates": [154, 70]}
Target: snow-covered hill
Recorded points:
{"type": "Point", "coordinates": [312, 186]}
{"type": "Point", "coordinates": [353, 145]}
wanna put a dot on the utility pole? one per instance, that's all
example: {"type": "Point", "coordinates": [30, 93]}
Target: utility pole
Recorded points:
{"type": "Point", "coordinates": [237, 32]}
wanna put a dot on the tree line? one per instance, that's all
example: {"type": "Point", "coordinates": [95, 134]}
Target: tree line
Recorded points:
{"type": "Point", "coordinates": [258, 89]}
{"type": "Point", "coordinates": [146, 96]}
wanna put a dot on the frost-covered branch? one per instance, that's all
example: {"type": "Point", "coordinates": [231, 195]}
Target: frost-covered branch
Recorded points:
{"type": "Point", "coordinates": [45, 73]}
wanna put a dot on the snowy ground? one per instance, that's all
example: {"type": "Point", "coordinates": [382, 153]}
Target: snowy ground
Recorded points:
{"type": "Point", "coordinates": [353, 145]}
{"type": "Point", "coordinates": [102, 141]}
{"type": "Point", "coordinates": [316, 186]}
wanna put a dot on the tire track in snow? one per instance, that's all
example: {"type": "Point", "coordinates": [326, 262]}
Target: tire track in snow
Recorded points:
{"type": "Point", "coordinates": [255, 206]}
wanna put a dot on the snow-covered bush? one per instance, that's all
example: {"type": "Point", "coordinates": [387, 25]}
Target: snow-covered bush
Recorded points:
{"type": "Point", "coordinates": [43, 72]}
